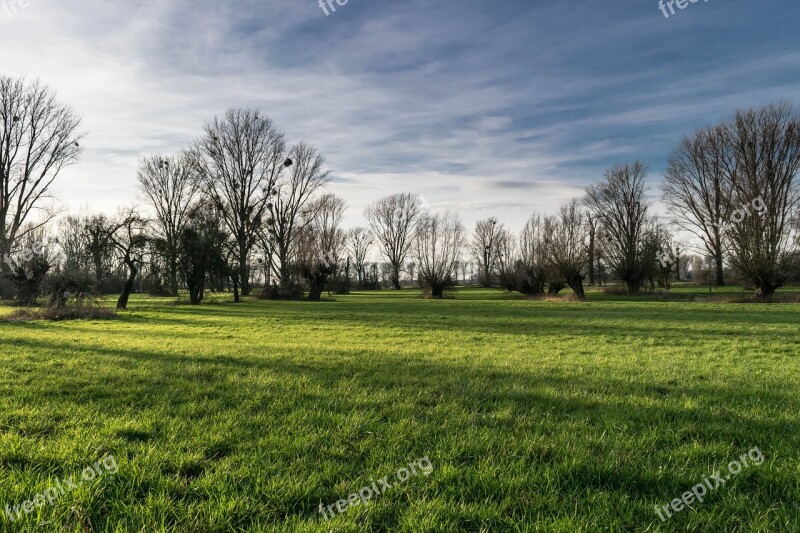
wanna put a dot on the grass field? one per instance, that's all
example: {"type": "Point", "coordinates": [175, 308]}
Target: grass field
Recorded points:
{"type": "Point", "coordinates": [535, 416]}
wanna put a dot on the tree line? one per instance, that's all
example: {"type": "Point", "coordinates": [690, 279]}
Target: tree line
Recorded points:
{"type": "Point", "coordinates": [242, 209]}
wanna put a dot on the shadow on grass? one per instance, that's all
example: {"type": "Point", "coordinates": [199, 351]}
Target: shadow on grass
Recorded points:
{"type": "Point", "coordinates": [446, 401]}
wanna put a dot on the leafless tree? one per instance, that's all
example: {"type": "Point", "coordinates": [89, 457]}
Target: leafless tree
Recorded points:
{"type": "Point", "coordinates": [591, 231]}
{"type": "Point", "coordinates": [618, 205]}
{"type": "Point", "coordinates": [96, 234]}
{"type": "Point", "coordinates": [439, 241]}
{"type": "Point", "coordinates": [523, 266]}
{"type": "Point", "coordinates": [765, 194]}
{"type": "Point", "coordinates": [532, 246]}
{"type": "Point", "coordinates": [32, 260]}
{"type": "Point", "coordinates": [393, 220]}
{"type": "Point", "coordinates": [170, 186]}
{"type": "Point", "coordinates": [287, 207]}
{"type": "Point", "coordinates": [38, 138]}
{"type": "Point", "coordinates": [201, 250]}
{"type": "Point", "coordinates": [240, 159]}
{"type": "Point", "coordinates": [566, 246]}
{"type": "Point", "coordinates": [485, 248]}
{"type": "Point", "coordinates": [411, 267]}
{"type": "Point", "coordinates": [321, 243]}
{"type": "Point", "coordinates": [359, 243]}
{"type": "Point", "coordinates": [127, 235]}
{"type": "Point", "coordinates": [73, 245]}
{"type": "Point", "coordinates": [662, 243]}
{"type": "Point", "coordinates": [507, 256]}
{"type": "Point", "coordinates": [696, 189]}
{"type": "Point", "coordinates": [704, 272]}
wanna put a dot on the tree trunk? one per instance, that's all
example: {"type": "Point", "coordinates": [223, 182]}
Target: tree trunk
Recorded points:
{"type": "Point", "coordinates": [235, 288]}
{"type": "Point", "coordinates": [720, 272]}
{"type": "Point", "coordinates": [633, 286]}
{"type": "Point", "coordinates": [98, 267]}
{"type": "Point", "coordinates": [396, 277]}
{"type": "Point", "coordinates": [766, 290]}
{"type": "Point", "coordinates": [437, 291]}
{"type": "Point", "coordinates": [486, 277]}
{"type": "Point", "coordinates": [122, 302]}
{"type": "Point", "coordinates": [244, 275]}
{"type": "Point", "coordinates": [576, 284]}
{"type": "Point", "coordinates": [196, 287]}
{"type": "Point", "coordinates": [315, 289]}
{"type": "Point", "coordinates": [285, 282]}
{"type": "Point", "coordinates": [173, 275]}
{"type": "Point", "coordinates": [555, 288]}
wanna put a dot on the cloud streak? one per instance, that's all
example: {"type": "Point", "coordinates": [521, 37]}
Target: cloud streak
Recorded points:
{"type": "Point", "coordinates": [478, 106]}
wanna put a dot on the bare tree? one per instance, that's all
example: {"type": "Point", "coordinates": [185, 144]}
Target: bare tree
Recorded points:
{"type": "Point", "coordinates": [240, 159]}
{"type": "Point", "coordinates": [71, 240]}
{"type": "Point", "coordinates": [96, 235]}
{"type": "Point", "coordinates": [29, 265]}
{"type": "Point", "coordinates": [127, 235]}
{"type": "Point", "coordinates": [618, 205]}
{"type": "Point", "coordinates": [411, 267]}
{"type": "Point", "coordinates": [201, 249]}
{"type": "Point", "coordinates": [523, 268]}
{"type": "Point", "coordinates": [485, 248]}
{"type": "Point", "coordinates": [533, 252]}
{"type": "Point", "coordinates": [170, 186]}
{"type": "Point", "coordinates": [321, 243]}
{"type": "Point", "coordinates": [393, 220]}
{"type": "Point", "coordinates": [287, 207]}
{"type": "Point", "coordinates": [765, 194]}
{"type": "Point", "coordinates": [696, 192]}
{"type": "Point", "coordinates": [663, 243]}
{"type": "Point", "coordinates": [507, 256]}
{"type": "Point", "coordinates": [38, 139]}
{"type": "Point", "coordinates": [439, 241]}
{"type": "Point", "coordinates": [591, 230]}
{"type": "Point", "coordinates": [566, 246]}
{"type": "Point", "coordinates": [359, 242]}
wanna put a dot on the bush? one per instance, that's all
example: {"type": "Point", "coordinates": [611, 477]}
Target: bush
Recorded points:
{"type": "Point", "coordinates": [338, 285]}
{"type": "Point", "coordinates": [615, 290]}
{"type": "Point", "coordinates": [72, 297]}
{"type": "Point", "coordinates": [275, 292]}
{"type": "Point", "coordinates": [154, 285]}
{"type": "Point", "coordinates": [369, 284]}
{"type": "Point", "coordinates": [77, 286]}
{"type": "Point", "coordinates": [27, 278]}
{"type": "Point", "coordinates": [62, 313]}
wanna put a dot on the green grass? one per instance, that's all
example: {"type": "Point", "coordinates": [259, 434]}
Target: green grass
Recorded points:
{"type": "Point", "coordinates": [536, 416]}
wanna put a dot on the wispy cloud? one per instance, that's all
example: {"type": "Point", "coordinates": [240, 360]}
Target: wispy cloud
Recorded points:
{"type": "Point", "coordinates": [499, 105]}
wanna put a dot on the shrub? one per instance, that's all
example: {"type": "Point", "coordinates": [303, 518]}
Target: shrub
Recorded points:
{"type": "Point", "coordinates": [27, 277]}
{"type": "Point", "coordinates": [62, 313]}
{"type": "Point", "coordinates": [78, 286]}
{"type": "Point", "coordinates": [292, 291]}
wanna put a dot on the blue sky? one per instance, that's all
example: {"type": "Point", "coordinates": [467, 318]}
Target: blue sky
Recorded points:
{"type": "Point", "coordinates": [493, 107]}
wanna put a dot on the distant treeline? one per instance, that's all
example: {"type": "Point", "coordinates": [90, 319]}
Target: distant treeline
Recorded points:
{"type": "Point", "coordinates": [241, 209]}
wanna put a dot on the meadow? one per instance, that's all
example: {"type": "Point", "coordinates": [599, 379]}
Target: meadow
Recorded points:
{"type": "Point", "coordinates": [535, 415]}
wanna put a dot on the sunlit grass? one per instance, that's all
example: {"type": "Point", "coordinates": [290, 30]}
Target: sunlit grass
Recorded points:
{"type": "Point", "coordinates": [553, 416]}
